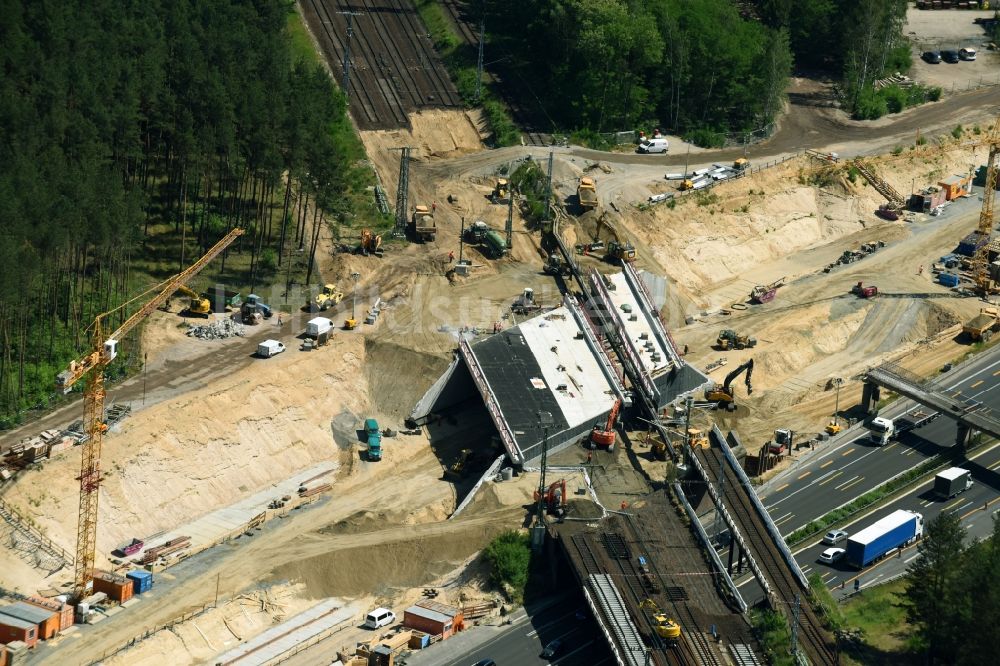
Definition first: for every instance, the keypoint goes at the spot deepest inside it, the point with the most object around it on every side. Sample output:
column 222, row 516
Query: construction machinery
column 253, row 310
column 501, row 191
column 525, row 303
column 724, row 395
column 666, row 628
column 983, row 325
column 554, row 265
column 984, row 281
column 371, row 243
column 422, row 222
column 604, row 435
column 555, row 497
column 103, row 351
column 730, row 339
column 197, row 305
column 764, row 293
column 620, row 252
column 741, row 164
column 327, row 298
column 862, row 291
column 833, row 427
column 586, row 193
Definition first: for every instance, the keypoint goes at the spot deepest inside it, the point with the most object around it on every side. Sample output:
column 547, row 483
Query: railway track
column 394, row 66
column 783, row 583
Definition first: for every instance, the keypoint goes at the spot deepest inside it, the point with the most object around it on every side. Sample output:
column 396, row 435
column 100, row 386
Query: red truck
column 864, row 292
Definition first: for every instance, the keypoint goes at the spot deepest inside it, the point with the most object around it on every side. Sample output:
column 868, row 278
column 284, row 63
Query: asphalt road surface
column 854, row 466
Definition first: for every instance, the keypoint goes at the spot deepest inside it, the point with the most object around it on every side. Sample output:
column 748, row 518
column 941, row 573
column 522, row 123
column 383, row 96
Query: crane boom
column 92, row 366
column 980, row 261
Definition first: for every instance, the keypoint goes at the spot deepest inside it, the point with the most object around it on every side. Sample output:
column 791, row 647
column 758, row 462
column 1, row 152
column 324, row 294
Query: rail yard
column 313, row 476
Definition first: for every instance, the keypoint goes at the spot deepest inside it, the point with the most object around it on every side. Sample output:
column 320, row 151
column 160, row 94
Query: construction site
column 286, row 463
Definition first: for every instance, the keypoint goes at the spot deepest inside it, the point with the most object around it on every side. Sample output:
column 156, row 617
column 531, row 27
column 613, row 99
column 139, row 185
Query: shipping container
column 46, row 620
column 948, row 279
column 142, row 581
column 118, row 588
column 317, row 326
column 955, row 186
column 13, row 629
column 64, row 610
column 874, row 542
column 434, row 618
column 968, row 245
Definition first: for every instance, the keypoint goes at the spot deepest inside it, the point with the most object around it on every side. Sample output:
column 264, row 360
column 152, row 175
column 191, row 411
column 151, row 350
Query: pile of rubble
column 218, row 330
column 850, row 256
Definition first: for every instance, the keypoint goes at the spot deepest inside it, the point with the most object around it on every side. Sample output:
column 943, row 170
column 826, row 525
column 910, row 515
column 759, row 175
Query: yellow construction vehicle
column 741, row 163
column 423, row 225
column 586, row 192
column 350, row 324
column 666, row 628
column 501, row 190
column 197, row 305
column 371, row 243
column 327, row 298
column 725, row 395
column 833, row 427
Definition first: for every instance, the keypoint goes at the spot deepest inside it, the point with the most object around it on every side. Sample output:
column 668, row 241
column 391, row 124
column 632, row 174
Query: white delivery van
column 659, row 145
column 318, row 326
column 269, row 348
column 380, row 617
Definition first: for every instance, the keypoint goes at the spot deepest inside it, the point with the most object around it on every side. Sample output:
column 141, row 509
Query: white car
column 967, row 53
column 831, row 555
column 833, row 537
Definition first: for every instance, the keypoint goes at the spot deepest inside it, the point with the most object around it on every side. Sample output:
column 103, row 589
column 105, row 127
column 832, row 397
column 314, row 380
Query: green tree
column 932, row 597
column 509, row 555
column 977, row 610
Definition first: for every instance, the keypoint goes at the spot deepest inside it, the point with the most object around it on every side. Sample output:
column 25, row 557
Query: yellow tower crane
column 92, row 366
column 980, row 261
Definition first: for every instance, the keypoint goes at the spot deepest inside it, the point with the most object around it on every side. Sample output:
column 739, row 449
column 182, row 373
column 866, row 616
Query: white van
column 380, row 617
column 659, row 145
column 968, row 53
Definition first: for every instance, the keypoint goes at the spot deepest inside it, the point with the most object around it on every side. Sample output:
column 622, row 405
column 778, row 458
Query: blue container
column 142, row 581
column 948, row 279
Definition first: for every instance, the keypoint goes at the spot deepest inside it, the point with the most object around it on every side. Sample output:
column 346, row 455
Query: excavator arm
column 747, row 366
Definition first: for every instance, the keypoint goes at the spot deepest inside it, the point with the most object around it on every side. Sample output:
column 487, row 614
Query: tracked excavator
column 371, row 243
column 555, row 497
column 725, row 395
column 197, row 305
column 617, row 250
column 666, row 627
column 604, row 437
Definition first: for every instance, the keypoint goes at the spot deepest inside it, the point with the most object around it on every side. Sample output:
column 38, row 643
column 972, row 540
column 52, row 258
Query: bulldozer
column 725, row 395
column 371, row 243
column 555, row 497
column 458, row 468
column 327, row 298
column 666, row 628
column 501, row 191
column 197, row 305
column 604, row 435
column 730, row 339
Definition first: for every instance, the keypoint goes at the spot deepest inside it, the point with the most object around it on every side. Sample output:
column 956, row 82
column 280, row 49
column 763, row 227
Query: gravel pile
column 218, row 330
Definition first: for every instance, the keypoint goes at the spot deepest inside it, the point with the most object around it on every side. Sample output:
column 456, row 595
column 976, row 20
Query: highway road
column 853, row 466
column 522, row 641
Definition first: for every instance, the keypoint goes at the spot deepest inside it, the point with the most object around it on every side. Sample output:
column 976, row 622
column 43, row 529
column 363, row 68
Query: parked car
column 831, row 555
column 933, row 57
column 949, row 56
column 485, row 662
column 552, row 649
column 967, row 53
column 833, row 537
column 655, row 145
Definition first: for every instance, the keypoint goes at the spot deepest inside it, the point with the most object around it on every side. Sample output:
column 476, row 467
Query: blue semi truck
column 374, row 440
column 894, row 531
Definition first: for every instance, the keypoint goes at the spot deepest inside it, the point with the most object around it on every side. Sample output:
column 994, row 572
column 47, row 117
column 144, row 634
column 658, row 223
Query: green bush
column 775, row 637
column 705, row 138
column 509, row 555
column 934, row 94
column 895, row 98
column 957, row 132
column 870, row 106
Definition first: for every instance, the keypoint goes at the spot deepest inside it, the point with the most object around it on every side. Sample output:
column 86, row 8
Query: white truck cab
column 882, row 430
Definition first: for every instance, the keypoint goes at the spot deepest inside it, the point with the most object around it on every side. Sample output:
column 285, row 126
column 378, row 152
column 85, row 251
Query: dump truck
column 896, row 530
column 951, row 482
column 269, row 348
column 374, row 437
column 223, row 298
column 983, row 325
column 424, row 227
column 586, row 192
column 730, row 339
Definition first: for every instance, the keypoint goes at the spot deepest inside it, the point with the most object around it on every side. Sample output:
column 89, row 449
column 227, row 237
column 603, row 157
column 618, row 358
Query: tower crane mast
column 980, row 261
column 103, row 351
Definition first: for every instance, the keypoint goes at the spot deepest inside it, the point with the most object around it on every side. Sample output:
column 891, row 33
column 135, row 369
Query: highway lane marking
column 784, row 516
column 832, row 477
column 831, row 574
column 848, row 451
column 994, row 465
column 785, row 519
column 806, row 569
column 926, row 503
column 977, row 383
column 996, row 373
column 886, row 448
column 567, row 656
column 911, row 558
column 804, row 475
column 827, row 463
column 856, row 476
column 778, row 490
column 843, row 487
column 951, row 506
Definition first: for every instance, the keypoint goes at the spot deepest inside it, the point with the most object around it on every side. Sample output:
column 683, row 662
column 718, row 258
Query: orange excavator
column 605, row 437
column 555, row 497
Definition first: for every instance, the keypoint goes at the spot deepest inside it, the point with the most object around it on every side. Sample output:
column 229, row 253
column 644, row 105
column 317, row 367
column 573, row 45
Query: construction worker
column 434, row 206
column 920, row 271
column 590, row 456
column 451, row 256
column 279, row 321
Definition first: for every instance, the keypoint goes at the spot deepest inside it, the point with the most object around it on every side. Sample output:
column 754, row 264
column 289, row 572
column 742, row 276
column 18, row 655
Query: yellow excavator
column 725, row 395
column 666, row 628
column 623, row 252
column 197, row 305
